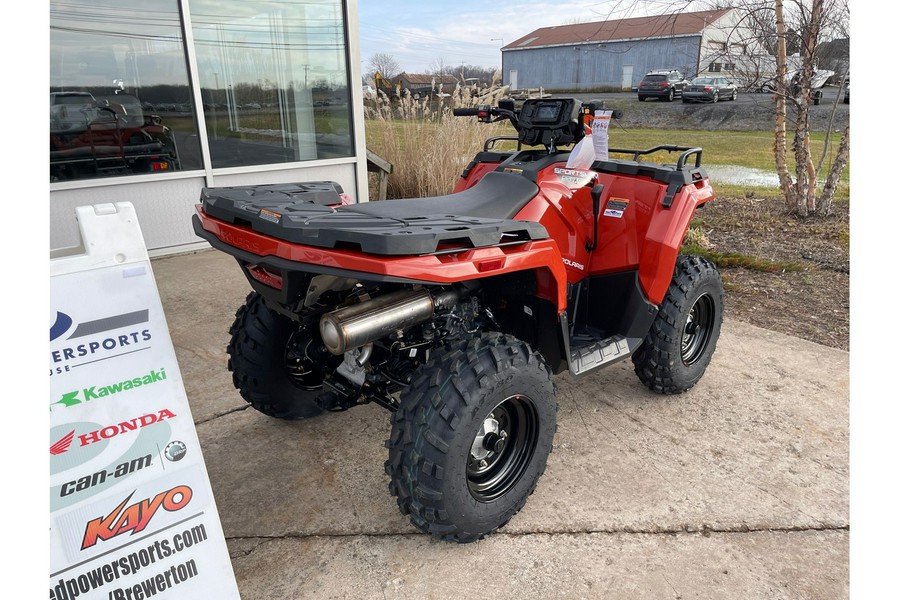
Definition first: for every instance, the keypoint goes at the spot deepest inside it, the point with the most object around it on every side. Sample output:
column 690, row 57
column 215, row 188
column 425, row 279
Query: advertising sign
column 132, row 514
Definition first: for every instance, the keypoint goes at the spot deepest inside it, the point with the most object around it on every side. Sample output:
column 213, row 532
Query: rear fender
column 665, row 236
column 540, row 256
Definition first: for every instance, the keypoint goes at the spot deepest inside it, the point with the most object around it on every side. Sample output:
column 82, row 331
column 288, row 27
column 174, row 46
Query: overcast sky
column 419, row 32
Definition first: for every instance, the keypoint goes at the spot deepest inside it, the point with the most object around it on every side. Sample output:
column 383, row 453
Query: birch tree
column 801, row 189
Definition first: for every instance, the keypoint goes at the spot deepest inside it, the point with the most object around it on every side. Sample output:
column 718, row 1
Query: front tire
column 682, row 339
column 267, row 369
column 472, row 436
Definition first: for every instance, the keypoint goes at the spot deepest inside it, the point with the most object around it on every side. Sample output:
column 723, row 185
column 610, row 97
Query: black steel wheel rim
column 494, row 469
column 301, row 368
column 698, row 329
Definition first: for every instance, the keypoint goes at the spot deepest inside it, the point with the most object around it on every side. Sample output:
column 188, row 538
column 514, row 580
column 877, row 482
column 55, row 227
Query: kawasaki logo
column 92, row 393
column 135, row 517
column 110, row 431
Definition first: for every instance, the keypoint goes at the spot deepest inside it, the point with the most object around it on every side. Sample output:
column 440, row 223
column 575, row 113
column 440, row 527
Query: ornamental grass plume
column 426, row 144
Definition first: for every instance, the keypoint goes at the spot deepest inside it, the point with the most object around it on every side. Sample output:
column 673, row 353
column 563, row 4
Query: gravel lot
column 750, row 112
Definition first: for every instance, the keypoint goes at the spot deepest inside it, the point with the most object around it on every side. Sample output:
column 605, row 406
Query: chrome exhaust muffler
column 354, row 326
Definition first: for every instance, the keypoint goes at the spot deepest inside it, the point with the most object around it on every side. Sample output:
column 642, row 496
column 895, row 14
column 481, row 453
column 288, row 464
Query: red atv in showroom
column 454, row 312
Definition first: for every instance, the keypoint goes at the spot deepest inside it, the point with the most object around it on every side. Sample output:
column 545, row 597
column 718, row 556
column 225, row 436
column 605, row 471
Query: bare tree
column 811, row 19
column 439, row 66
column 782, row 38
column 385, row 64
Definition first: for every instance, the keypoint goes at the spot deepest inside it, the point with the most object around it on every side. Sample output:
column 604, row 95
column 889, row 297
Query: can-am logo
column 128, row 340
column 135, row 517
column 102, row 391
column 110, row 431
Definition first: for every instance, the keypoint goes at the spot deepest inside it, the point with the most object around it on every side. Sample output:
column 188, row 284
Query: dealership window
column 715, row 67
column 120, row 99
column 273, row 78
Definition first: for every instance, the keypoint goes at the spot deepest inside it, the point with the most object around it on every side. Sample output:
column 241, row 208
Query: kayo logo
column 110, row 431
column 136, row 517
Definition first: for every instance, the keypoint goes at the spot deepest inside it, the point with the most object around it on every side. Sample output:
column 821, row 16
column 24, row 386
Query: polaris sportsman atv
column 455, row 312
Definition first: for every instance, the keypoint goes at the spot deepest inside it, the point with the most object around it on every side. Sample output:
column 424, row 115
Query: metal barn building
column 615, row 55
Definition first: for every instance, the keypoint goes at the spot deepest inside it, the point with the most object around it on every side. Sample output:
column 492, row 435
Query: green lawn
column 751, row 149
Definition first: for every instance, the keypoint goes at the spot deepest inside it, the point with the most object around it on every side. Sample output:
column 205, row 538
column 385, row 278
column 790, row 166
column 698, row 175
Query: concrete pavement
column 737, row 489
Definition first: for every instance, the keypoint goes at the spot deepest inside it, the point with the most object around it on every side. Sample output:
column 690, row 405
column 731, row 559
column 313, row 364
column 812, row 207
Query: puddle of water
column 736, row 175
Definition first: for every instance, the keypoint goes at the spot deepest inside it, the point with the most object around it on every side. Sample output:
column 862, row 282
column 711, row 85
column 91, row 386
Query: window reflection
column 273, row 78
column 120, row 103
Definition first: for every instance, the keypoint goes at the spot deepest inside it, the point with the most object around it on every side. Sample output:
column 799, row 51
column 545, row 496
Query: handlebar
column 489, row 114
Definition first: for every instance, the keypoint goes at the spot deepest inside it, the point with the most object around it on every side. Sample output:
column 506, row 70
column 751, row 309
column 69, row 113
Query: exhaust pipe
column 363, row 323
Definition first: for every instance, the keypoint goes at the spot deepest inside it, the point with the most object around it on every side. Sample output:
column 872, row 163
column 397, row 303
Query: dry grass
column 426, row 144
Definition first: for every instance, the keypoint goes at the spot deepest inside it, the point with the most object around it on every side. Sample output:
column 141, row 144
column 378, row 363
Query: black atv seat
column 497, row 196
column 305, row 214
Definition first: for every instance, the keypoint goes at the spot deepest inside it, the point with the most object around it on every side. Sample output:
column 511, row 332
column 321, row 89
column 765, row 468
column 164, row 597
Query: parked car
column 92, row 137
column 709, row 88
column 662, row 84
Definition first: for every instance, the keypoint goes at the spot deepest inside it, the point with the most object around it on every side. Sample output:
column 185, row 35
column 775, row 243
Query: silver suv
column 665, row 84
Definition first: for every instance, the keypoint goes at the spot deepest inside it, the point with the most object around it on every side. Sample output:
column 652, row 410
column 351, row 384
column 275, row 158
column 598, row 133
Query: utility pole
column 501, row 57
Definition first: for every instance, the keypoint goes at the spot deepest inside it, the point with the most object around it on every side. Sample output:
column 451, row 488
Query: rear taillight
column 664, row 84
column 707, row 89
column 265, row 277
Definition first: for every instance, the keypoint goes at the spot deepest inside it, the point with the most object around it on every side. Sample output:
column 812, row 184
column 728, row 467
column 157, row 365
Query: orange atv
column 455, row 312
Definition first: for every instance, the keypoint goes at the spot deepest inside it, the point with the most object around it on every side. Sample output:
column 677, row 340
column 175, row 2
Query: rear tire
column 670, row 96
column 682, row 339
column 265, row 369
column 472, row 436
column 641, row 98
column 715, row 97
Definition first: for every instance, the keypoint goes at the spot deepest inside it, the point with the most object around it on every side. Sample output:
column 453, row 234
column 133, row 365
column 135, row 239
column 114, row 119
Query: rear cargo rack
column 675, row 176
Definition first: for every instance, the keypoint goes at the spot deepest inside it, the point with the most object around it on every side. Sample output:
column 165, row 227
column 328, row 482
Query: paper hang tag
column 600, row 134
